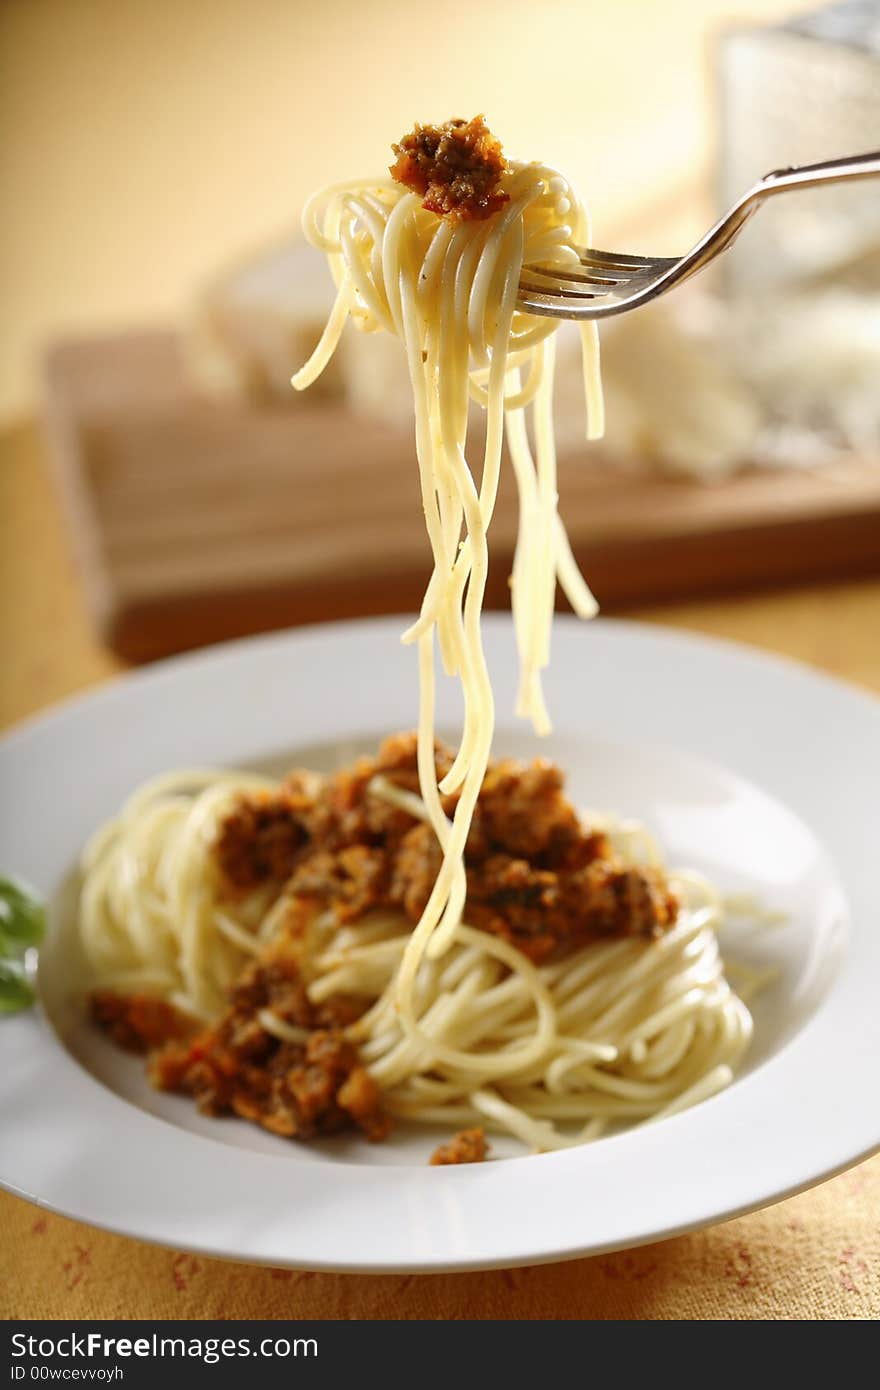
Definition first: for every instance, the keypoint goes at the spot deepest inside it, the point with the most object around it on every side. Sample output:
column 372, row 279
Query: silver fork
column 607, row 283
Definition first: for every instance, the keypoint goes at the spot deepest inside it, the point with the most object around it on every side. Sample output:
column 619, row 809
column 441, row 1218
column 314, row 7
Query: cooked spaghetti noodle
column 609, row 1032
column 448, row 289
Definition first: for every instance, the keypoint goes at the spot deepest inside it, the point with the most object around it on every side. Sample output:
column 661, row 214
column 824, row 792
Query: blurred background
column 156, row 297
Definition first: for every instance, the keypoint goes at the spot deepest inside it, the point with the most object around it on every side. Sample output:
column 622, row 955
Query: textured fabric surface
column 815, row 1256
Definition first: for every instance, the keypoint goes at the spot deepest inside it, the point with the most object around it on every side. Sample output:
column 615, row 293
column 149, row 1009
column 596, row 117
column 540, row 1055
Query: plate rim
column 109, row 685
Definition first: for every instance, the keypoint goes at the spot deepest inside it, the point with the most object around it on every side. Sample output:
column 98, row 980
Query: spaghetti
column 448, row 289
column 552, row 1052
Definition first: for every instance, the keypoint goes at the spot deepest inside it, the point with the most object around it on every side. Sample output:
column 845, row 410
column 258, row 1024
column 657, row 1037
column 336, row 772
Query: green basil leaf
column 22, row 917
column 16, row 990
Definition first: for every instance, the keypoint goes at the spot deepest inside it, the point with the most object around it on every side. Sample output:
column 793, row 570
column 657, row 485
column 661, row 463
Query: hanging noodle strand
column 449, row 292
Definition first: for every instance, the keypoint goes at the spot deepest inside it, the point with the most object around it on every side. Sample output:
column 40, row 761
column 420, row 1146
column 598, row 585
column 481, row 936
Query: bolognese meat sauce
column 456, row 168
column 309, row 1083
column 467, row 1146
column 536, row 876
column 136, row 1022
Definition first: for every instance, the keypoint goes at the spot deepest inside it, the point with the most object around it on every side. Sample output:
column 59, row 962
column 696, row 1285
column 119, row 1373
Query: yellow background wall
column 144, row 142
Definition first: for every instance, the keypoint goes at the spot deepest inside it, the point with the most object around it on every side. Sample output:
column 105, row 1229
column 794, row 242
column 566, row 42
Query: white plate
column 756, row 770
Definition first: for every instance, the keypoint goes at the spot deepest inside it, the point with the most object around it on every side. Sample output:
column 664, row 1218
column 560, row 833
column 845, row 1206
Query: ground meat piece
column 359, row 1095
column 169, row 1067
column 467, row 1146
column 541, row 910
column 456, row 168
column 262, row 835
column 345, row 813
column 313, row 1083
column 351, row 880
column 137, row 1022
column 415, row 867
column 523, row 810
column 536, row 874
column 293, row 1088
column 397, row 759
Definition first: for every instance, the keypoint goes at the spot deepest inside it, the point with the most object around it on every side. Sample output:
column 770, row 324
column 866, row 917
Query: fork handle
column 725, row 232
column 857, row 166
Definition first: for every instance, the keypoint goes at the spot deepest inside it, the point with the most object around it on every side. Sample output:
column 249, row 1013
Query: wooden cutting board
column 196, row 520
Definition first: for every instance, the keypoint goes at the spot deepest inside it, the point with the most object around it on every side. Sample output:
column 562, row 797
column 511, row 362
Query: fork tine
column 603, row 283
column 548, row 295
column 588, row 256
column 578, row 277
